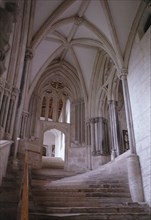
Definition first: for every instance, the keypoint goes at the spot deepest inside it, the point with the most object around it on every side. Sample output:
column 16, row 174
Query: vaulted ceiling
column 75, row 31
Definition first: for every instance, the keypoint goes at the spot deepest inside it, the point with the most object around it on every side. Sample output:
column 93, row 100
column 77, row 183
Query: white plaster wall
column 139, row 81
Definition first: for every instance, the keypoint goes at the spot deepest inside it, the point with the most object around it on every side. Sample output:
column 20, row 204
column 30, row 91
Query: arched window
column 43, row 107
column 68, row 111
column 60, row 105
column 50, row 113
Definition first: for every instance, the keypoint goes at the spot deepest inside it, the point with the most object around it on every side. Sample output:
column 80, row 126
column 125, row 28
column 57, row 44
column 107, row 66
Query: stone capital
column 25, row 114
column 123, row 73
column 28, row 54
column 95, row 120
column 112, row 102
column 15, row 91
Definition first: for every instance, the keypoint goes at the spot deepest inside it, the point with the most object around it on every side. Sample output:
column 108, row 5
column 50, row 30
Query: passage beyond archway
column 53, row 148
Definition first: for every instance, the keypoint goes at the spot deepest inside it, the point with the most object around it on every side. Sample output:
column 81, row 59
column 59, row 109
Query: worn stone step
column 77, row 190
column 79, row 196
column 88, row 216
column 81, row 202
column 81, row 193
column 46, row 186
column 108, row 209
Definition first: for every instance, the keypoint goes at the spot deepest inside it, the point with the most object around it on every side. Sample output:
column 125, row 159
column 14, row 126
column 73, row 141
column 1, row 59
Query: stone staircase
column 10, row 192
column 58, row 194
column 101, row 194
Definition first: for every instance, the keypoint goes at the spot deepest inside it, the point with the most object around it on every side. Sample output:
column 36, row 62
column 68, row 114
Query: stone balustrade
column 4, row 154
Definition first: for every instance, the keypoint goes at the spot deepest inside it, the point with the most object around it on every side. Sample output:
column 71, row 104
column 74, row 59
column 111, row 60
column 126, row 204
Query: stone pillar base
column 113, row 154
column 135, row 178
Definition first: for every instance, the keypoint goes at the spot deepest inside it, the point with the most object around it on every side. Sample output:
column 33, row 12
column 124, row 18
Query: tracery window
column 43, row 107
column 55, row 103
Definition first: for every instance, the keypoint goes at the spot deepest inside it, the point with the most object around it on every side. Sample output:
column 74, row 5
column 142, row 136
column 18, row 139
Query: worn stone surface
column 99, row 194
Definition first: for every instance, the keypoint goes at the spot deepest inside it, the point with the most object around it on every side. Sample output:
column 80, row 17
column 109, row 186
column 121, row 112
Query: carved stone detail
column 78, row 20
column 123, row 73
column 28, row 54
column 7, row 17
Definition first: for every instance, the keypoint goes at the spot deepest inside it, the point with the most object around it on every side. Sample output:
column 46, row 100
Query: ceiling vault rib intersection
column 75, row 31
column 41, row 33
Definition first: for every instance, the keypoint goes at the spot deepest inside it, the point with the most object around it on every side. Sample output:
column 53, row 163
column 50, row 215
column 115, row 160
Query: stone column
column 114, row 128
column 15, row 95
column 129, row 121
column 2, row 87
column 82, row 125
column 105, row 137
column 21, row 99
column 33, row 109
column 133, row 163
column 24, row 122
column 88, row 133
column 10, row 114
column 103, row 142
column 3, row 109
column 75, row 104
column 88, row 142
column 93, row 143
column 97, row 135
column 80, row 121
column 7, row 92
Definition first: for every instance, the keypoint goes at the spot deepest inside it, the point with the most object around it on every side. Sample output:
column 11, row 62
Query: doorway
column 53, row 148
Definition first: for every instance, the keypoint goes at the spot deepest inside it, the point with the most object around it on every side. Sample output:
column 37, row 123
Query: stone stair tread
column 89, row 209
column 74, row 198
column 58, row 196
column 39, row 187
column 78, row 203
column 80, row 193
column 126, row 216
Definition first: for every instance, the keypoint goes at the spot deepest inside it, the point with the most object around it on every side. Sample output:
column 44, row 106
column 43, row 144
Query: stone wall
column 139, row 80
column 4, row 154
column 77, row 160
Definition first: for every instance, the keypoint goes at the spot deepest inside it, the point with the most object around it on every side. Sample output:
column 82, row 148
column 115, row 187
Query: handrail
column 25, row 191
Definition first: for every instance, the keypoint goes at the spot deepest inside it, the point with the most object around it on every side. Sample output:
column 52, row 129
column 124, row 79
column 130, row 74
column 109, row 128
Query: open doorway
column 53, row 149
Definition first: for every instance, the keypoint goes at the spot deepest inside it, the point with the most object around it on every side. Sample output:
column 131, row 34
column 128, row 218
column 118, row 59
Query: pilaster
column 129, row 120
column 99, row 136
column 21, row 122
column 133, row 164
column 114, row 129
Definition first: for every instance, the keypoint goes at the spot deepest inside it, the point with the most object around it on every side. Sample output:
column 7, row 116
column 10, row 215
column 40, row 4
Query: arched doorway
column 53, row 148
